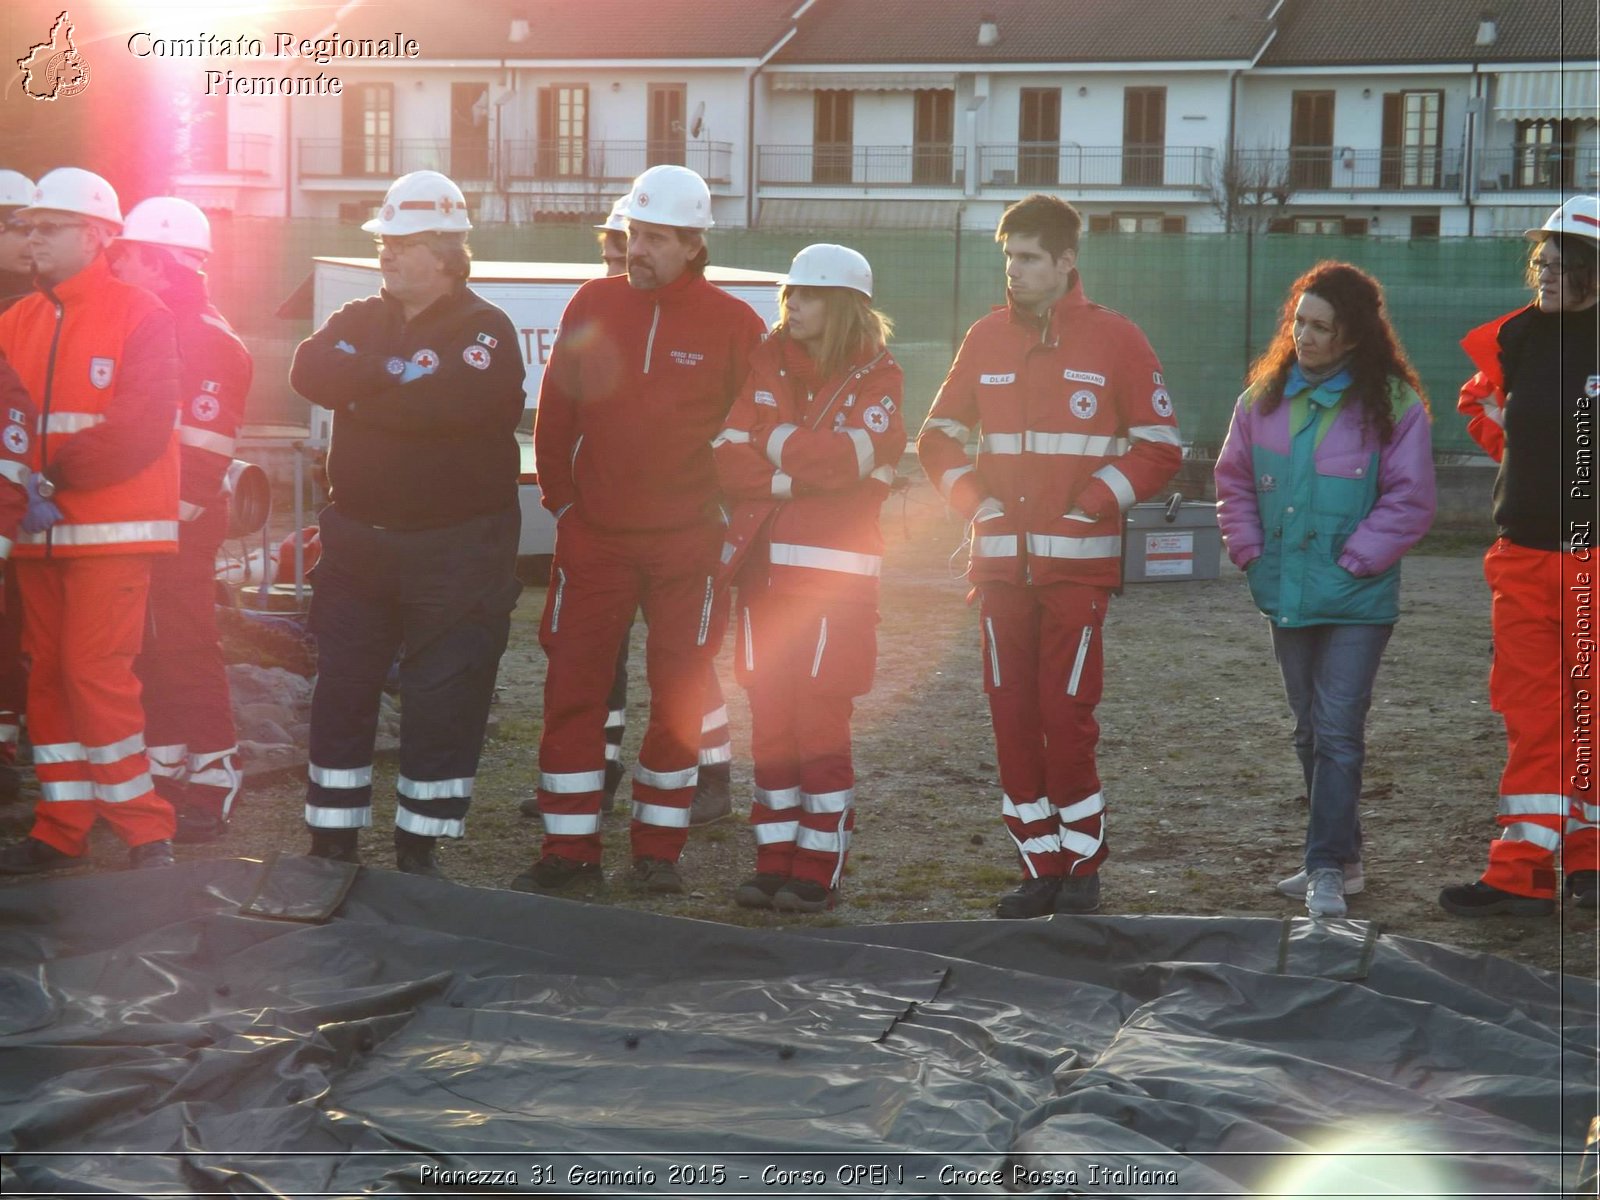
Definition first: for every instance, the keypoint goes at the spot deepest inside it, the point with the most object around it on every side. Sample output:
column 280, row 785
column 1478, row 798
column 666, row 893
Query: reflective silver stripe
column 205, row 439
column 782, row 485
column 109, row 533
column 994, row 655
column 1578, row 824
column 1534, row 804
column 1002, row 443
column 58, row 752
column 884, row 475
column 1119, row 485
column 188, row 512
column 115, row 751
column 820, row 558
column 816, row 661
column 168, row 770
column 1050, row 545
column 947, row 481
column 17, row 472
column 71, row 789
column 340, row 777
column 128, row 789
column 749, row 644
column 1082, row 445
column 954, row 430
column 422, row 826
column 650, row 342
column 555, row 605
column 435, row 789
column 1495, row 412
column 865, row 459
column 731, row 437
column 1589, row 814
column 1087, row 807
column 9, row 732
column 571, row 824
column 617, row 718
column 1082, row 844
column 613, row 752
column 772, row 832
column 999, row 545
column 1034, row 810
column 828, row 802
column 207, row 758
column 1049, row 843
column 1167, row 435
column 220, row 775
column 667, row 781
column 778, row 799
column 775, row 442
column 319, row 817
column 826, row 840
column 571, row 783
column 717, row 718
column 70, row 422
column 705, row 611
column 1527, row 831
column 664, row 816
column 1077, row 663
column 711, row 755
column 5, row 547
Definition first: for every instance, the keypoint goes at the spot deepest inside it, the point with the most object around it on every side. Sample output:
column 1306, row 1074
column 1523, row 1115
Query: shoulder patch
column 876, row 419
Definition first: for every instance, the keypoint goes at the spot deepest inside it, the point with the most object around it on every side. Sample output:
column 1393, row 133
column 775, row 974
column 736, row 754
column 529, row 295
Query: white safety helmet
column 173, row 224
column 1580, row 216
column 74, row 190
column 617, row 220
column 670, row 195
column 421, row 202
column 827, row 265
column 16, row 190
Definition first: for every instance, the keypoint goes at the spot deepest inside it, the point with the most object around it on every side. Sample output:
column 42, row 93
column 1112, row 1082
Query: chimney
column 1487, row 31
column 519, row 29
column 988, row 31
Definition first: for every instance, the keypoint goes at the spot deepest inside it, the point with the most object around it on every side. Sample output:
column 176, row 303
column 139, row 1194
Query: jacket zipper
column 994, row 652
column 44, row 421
column 1083, row 653
column 650, row 342
column 705, row 611
column 822, row 640
column 749, row 642
column 555, row 607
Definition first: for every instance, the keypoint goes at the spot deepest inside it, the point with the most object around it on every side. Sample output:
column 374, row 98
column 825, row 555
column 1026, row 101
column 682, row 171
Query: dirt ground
column 1204, row 792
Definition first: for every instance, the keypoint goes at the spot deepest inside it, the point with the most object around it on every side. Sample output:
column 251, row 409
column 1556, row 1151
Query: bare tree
column 1249, row 189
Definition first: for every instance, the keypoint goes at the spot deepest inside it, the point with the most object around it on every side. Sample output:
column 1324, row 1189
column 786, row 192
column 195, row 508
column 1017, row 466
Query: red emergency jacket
column 1483, row 397
column 18, row 420
column 637, row 385
column 215, row 379
column 807, row 463
column 1077, row 426
column 100, row 360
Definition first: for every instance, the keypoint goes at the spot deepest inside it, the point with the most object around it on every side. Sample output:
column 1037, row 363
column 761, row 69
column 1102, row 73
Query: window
column 933, row 134
column 369, row 129
column 1039, row 137
column 1137, row 223
column 1425, row 226
column 1311, row 140
column 667, row 128
column 563, row 131
column 1412, row 122
column 1320, row 226
column 1144, row 136
column 832, row 135
column 1545, row 153
column 469, row 132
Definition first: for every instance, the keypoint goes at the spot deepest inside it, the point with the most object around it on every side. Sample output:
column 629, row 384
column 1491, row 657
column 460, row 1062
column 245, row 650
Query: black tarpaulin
column 156, row 1038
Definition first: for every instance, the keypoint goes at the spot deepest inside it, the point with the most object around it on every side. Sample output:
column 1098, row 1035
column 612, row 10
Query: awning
column 1547, row 95
column 860, row 81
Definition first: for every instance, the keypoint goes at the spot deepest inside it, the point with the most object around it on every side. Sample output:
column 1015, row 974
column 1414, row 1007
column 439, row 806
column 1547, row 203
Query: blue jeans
column 1328, row 673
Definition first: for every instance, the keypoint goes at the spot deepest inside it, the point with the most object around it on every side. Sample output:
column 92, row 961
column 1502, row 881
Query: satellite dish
column 698, row 123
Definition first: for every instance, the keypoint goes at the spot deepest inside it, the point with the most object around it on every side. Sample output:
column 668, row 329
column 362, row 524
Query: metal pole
column 955, row 289
column 1249, row 284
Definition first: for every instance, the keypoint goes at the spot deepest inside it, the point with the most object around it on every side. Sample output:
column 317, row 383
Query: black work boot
column 713, row 794
column 30, row 856
column 151, row 855
column 341, row 845
column 1031, row 898
column 414, row 854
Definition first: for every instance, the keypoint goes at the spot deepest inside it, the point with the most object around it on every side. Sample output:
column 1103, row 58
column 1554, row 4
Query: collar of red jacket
column 86, row 282
column 1071, row 300
column 1483, row 344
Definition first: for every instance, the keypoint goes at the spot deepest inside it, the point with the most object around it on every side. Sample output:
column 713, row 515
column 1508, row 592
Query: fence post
column 955, row 289
column 1249, row 286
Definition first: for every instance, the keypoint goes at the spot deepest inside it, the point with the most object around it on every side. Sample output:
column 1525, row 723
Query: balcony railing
column 1345, row 169
column 386, row 158
column 1573, row 167
column 584, row 161
column 840, row 165
column 1053, row 164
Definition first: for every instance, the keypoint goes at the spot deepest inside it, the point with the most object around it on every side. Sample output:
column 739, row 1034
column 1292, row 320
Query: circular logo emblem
column 1084, row 404
column 1161, row 402
column 1591, row 387
column 476, row 356
column 388, row 212
column 205, row 407
column 642, row 199
column 395, row 366
column 426, row 359
column 876, row 419
column 16, row 439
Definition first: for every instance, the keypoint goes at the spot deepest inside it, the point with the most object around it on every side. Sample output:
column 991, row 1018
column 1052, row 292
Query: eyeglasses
column 1540, row 266
column 17, row 226
column 46, row 229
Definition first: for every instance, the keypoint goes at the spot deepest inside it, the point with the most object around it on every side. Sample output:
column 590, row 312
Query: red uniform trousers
column 83, row 619
column 1043, row 669
column 188, row 708
column 1543, row 681
column 13, row 672
column 803, row 659
column 597, row 581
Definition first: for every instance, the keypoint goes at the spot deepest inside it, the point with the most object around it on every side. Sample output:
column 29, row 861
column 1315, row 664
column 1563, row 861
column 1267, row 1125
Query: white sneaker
column 1325, row 893
column 1355, row 881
